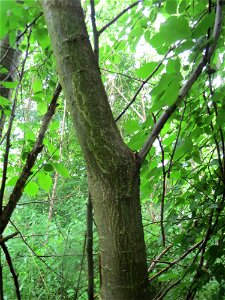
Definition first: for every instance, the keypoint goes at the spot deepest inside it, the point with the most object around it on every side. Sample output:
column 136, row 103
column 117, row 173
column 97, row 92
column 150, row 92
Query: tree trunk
column 113, row 170
column 9, row 59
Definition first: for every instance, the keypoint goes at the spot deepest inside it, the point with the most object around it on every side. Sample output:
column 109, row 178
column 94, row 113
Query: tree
column 111, row 166
column 113, row 169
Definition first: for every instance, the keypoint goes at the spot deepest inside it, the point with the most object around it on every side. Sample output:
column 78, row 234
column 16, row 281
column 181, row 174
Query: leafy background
column 182, row 178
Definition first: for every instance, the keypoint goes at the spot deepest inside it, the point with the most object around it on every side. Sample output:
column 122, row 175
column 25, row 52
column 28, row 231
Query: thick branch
column 31, row 158
column 186, row 87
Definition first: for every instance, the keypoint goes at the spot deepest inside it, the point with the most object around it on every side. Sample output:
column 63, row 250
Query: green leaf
column 182, row 6
column 48, row 168
column 168, row 276
column 3, row 70
column 4, row 101
column 44, row 181
column 61, row 169
column 175, row 175
column 42, row 107
column 183, row 147
column 171, row 93
column 220, row 117
column 174, row 29
column 171, row 7
column 173, row 66
column 29, row 135
column 42, row 37
column 37, row 85
column 132, row 126
column 12, row 181
column 147, row 69
column 31, row 189
column 203, row 25
column 9, row 84
column 162, row 85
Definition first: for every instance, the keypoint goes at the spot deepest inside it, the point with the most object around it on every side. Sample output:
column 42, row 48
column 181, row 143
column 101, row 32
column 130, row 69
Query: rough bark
column 113, row 170
column 9, row 59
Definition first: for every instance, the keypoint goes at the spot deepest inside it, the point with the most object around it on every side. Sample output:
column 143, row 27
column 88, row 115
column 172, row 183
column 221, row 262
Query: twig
column 90, row 260
column 32, row 251
column 118, row 16
column 176, row 142
column 28, row 26
column 14, row 275
column 122, row 74
column 152, row 266
column 163, row 193
column 176, row 260
column 143, row 83
column 95, row 31
column 81, row 268
column 1, row 278
column 31, row 158
column 8, row 237
column 186, row 87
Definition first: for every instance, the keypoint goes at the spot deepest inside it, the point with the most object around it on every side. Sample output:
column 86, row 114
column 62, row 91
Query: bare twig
column 176, row 260
column 14, row 275
column 95, row 31
column 90, row 260
column 155, row 261
column 163, row 193
column 81, row 268
column 176, row 142
column 186, row 87
column 33, row 252
column 28, row 26
column 143, row 83
column 118, row 16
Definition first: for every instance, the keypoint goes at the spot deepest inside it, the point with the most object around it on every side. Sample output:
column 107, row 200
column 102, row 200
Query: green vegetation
column 162, row 66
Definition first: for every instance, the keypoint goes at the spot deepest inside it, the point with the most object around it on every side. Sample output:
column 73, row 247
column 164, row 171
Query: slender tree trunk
column 9, row 59
column 113, row 170
column 53, row 196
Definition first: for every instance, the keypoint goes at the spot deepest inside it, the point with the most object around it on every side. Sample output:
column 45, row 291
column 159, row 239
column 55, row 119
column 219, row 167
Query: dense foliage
column 145, row 57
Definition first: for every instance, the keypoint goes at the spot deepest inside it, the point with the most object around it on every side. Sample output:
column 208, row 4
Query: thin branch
column 186, row 87
column 163, row 194
column 14, row 275
column 33, row 252
column 152, row 266
column 143, row 83
column 176, row 260
column 118, row 16
column 1, row 278
column 8, row 134
column 81, row 268
column 90, row 260
column 31, row 158
column 8, row 237
column 127, row 101
column 122, row 74
column 28, row 26
column 176, row 142
column 95, row 31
